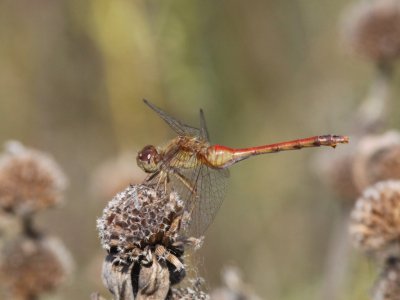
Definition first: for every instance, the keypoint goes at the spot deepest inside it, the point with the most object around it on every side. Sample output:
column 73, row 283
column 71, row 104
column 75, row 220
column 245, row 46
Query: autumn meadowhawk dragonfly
column 197, row 170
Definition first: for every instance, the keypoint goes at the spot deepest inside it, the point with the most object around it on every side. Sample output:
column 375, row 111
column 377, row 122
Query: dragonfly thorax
column 148, row 159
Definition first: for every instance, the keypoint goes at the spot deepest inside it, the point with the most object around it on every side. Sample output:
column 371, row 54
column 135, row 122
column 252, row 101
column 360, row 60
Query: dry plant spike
column 30, row 263
column 30, row 267
column 30, row 180
column 375, row 219
column 141, row 230
column 372, row 28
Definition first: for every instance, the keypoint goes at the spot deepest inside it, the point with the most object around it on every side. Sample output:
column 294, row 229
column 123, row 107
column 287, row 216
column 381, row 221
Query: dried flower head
column 377, row 158
column 137, row 217
column 30, row 267
column 375, row 219
column 387, row 287
column 29, row 180
column 141, row 219
column 372, row 28
column 114, row 175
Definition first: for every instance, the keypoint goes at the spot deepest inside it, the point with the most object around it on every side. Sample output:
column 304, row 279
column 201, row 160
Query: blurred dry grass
column 72, row 77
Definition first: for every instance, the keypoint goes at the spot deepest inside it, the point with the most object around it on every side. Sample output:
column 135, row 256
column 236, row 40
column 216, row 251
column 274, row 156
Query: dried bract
column 30, row 267
column 117, row 278
column 372, row 28
column 377, row 159
column 29, row 180
column 375, row 219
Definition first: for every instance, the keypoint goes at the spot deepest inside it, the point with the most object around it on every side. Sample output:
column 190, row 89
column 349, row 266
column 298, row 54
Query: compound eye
column 148, row 153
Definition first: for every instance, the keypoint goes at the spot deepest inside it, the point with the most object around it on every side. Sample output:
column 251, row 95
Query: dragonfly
column 198, row 171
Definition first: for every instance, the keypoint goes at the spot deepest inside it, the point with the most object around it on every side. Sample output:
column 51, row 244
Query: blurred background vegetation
column 72, row 78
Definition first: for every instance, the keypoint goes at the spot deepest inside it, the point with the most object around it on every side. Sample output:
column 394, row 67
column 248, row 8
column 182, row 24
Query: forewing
column 176, row 125
column 203, row 127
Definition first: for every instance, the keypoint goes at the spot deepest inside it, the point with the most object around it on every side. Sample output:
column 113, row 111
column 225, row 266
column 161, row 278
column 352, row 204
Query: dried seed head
column 375, row 219
column 387, row 287
column 377, row 158
column 29, row 267
column 372, row 29
column 115, row 175
column 139, row 217
column 29, row 180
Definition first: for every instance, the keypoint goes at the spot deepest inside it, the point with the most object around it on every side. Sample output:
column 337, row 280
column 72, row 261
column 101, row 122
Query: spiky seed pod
column 387, row 287
column 141, row 230
column 114, row 175
column 375, row 219
column 29, row 180
column 377, row 158
column 30, row 267
column 372, row 29
column 137, row 218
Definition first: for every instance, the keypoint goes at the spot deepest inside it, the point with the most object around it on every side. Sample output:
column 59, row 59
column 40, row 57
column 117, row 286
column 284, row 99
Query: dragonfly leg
column 193, row 242
column 152, row 176
column 162, row 252
column 193, row 192
column 162, row 180
column 166, row 181
column 173, row 229
column 185, row 182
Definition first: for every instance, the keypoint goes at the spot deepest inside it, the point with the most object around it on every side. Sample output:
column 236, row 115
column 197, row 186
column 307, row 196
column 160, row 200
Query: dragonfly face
column 148, row 159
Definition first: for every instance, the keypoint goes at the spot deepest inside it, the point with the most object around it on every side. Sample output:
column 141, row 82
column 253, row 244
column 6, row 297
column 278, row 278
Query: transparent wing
column 203, row 127
column 203, row 197
column 176, row 125
column 211, row 187
column 201, row 188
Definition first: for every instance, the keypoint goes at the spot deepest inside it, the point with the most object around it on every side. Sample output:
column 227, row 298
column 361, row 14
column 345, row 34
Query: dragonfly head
column 148, row 159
